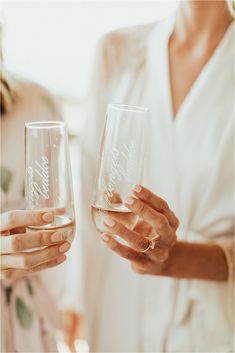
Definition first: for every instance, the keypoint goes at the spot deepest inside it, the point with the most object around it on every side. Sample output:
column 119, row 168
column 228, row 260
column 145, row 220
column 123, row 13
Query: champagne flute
column 120, row 165
column 48, row 182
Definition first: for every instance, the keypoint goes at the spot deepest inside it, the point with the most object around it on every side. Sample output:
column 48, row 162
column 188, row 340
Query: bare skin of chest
column 185, row 67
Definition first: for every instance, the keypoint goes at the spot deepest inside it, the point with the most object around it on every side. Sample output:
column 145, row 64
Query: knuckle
column 173, row 239
column 33, row 269
column 162, row 255
column 173, row 220
column 148, row 267
column 161, row 224
column 55, row 250
column 128, row 255
column 44, row 266
column 150, row 198
column 140, row 207
column 26, row 262
column 42, row 237
column 16, row 243
column 51, row 263
column 12, row 218
column 35, row 217
column 142, row 267
column 177, row 222
column 49, row 252
column 146, row 194
column 6, row 274
column 114, row 246
column 118, row 227
column 135, row 268
column 141, row 243
column 163, row 205
column 170, row 240
column 123, row 231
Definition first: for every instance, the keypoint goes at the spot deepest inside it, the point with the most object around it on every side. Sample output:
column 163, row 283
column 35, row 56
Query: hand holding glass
column 121, row 164
column 48, row 182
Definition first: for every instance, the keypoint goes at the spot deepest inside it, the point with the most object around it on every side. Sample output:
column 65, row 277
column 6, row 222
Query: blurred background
column 53, row 42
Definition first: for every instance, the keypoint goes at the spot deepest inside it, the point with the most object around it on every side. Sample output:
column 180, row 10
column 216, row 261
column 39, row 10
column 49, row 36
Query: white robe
column 189, row 162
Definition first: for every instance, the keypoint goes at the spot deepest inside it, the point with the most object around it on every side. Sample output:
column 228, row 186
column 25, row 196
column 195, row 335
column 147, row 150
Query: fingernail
column 129, row 200
column 57, row 237
column 65, row 247
column 48, row 217
column 105, row 236
column 61, row 259
column 109, row 222
column 137, row 188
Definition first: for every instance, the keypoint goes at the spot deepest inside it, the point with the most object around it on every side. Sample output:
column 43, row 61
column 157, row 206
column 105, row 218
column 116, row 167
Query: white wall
column 53, row 42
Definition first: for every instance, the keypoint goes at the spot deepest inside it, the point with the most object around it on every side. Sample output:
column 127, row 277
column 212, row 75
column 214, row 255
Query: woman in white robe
column 189, row 163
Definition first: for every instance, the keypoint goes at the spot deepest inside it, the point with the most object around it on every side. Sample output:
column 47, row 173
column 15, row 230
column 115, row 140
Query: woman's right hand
column 15, row 262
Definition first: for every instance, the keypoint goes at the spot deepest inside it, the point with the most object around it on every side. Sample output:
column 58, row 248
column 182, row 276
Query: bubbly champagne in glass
column 48, row 182
column 120, row 165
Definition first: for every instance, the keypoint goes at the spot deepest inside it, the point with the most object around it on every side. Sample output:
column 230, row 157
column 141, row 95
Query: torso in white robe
column 188, row 162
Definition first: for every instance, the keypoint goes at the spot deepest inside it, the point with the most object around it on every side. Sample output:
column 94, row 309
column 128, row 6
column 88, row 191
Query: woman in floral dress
column 28, row 313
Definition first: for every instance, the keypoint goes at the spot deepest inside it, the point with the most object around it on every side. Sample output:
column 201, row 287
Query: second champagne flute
column 48, row 182
column 120, row 165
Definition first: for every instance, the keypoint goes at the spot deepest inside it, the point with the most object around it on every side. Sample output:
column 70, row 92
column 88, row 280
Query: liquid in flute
column 62, row 224
column 119, row 212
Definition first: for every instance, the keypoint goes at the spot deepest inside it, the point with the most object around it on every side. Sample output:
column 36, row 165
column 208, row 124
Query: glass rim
column 128, row 108
column 46, row 124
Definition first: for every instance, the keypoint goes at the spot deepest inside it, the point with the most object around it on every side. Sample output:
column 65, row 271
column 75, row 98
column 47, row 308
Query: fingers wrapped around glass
column 120, row 165
column 151, row 240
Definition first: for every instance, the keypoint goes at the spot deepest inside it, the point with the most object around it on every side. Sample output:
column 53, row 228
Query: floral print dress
column 28, row 313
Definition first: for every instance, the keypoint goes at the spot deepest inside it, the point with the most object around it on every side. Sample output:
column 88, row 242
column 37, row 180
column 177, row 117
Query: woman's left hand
column 152, row 238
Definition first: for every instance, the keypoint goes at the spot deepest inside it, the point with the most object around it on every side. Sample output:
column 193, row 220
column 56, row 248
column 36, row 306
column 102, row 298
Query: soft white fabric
column 189, row 162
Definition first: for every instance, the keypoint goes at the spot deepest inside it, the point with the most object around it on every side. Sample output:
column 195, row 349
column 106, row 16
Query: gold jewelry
column 151, row 244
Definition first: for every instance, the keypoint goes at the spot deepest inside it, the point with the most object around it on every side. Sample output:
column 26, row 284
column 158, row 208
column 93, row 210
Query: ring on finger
column 151, row 244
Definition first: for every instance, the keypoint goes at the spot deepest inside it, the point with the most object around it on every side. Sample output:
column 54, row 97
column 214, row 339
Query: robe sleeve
column 198, row 291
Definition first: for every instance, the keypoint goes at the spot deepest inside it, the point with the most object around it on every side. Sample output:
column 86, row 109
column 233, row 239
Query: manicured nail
column 105, row 236
column 129, row 200
column 57, row 237
column 109, row 222
column 61, row 259
column 65, row 247
column 137, row 188
column 48, row 217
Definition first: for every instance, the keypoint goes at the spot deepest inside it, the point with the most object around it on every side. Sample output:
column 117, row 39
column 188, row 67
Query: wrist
column 196, row 261
column 167, row 267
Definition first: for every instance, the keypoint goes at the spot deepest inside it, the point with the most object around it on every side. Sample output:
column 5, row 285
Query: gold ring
column 151, row 244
